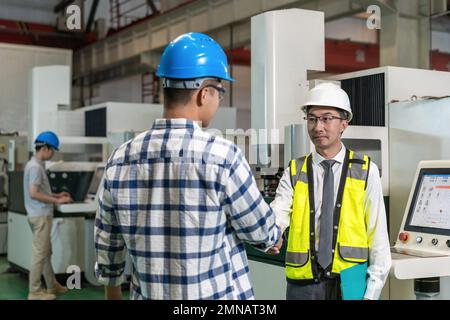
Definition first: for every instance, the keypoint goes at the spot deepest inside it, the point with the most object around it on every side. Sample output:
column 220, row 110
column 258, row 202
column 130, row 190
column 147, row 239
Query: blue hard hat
column 192, row 56
column 49, row 138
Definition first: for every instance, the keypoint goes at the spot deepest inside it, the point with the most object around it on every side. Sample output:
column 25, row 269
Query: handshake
column 276, row 248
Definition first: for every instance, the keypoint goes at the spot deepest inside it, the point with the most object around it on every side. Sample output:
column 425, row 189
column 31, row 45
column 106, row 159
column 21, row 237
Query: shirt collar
column 175, row 124
column 39, row 161
column 339, row 157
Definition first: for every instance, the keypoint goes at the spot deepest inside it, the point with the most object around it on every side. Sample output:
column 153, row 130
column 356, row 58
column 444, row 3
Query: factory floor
column 14, row 286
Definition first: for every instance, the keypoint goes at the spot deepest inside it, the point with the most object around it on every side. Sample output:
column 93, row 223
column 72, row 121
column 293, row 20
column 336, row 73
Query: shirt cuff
column 112, row 280
column 372, row 291
column 115, row 281
column 260, row 247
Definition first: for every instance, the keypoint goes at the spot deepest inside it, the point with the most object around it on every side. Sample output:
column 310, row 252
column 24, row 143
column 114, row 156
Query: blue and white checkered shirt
column 183, row 202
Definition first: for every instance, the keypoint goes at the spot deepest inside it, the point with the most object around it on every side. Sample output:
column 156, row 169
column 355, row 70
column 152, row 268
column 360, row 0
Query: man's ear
column 344, row 126
column 201, row 97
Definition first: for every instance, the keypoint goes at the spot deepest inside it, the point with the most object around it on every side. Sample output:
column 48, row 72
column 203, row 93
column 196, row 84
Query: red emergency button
column 403, row 236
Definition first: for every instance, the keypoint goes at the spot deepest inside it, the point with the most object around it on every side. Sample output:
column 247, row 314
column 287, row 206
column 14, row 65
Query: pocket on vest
column 297, row 259
column 353, row 254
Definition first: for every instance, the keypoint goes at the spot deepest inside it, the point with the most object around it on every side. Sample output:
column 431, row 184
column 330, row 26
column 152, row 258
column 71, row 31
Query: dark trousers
column 325, row 289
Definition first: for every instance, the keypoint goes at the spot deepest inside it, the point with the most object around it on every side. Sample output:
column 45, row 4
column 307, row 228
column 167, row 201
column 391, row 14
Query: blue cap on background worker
column 48, row 138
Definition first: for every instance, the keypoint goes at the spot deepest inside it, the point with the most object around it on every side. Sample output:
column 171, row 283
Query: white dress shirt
column 379, row 251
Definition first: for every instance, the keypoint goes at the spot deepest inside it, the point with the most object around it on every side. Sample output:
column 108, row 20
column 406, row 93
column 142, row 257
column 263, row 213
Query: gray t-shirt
column 34, row 173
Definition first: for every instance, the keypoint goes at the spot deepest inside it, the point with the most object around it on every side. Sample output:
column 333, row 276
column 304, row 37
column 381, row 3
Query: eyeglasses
column 221, row 90
column 324, row 119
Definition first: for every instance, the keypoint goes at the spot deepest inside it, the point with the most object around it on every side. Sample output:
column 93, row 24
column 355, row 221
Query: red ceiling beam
column 340, row 55
column 239, row 56
column 28, row 33
column 25, row 27
column 345, row 56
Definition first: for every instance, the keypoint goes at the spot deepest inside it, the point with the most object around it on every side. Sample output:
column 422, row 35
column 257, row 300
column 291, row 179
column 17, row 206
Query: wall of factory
column 17, row 62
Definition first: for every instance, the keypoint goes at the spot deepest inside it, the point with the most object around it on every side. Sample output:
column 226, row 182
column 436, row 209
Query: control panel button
column 419, row 239
column 434, row 241
column 403, row 236
column 448, row 243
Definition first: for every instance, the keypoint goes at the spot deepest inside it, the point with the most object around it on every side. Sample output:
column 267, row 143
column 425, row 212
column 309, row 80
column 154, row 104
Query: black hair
column 40, row 145
column 179, row 97
column 175, row 97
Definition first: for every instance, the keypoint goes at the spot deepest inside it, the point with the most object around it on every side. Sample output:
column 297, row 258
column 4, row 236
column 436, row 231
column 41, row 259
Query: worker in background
column 181, row 200
column 39, row 201
column 332, row 200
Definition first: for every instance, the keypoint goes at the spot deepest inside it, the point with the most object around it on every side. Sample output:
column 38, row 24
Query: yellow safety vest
column 350, row 239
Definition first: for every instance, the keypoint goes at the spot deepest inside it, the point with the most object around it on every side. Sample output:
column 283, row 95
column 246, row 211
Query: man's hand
column 64, row 199
column 276, row 248
column 53, row 199
column 62, row 194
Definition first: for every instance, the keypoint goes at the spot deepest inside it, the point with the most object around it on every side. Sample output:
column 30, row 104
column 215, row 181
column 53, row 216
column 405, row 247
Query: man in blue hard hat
column 181, row 200
column 39, row 201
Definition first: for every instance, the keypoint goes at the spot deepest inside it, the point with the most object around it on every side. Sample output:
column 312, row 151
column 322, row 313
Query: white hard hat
column 329, row 95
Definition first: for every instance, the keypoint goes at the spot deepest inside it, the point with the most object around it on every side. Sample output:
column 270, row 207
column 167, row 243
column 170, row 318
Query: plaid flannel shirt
column 181, row 202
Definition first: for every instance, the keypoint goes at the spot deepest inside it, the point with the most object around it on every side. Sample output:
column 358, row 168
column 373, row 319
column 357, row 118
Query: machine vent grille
column 95, row 123
column 367, row 99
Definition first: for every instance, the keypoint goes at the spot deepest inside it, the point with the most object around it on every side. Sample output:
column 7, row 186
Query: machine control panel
column 403, row 236
column 425, row 230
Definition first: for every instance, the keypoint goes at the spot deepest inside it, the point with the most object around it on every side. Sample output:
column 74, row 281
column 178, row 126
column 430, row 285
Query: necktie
column 326, row 218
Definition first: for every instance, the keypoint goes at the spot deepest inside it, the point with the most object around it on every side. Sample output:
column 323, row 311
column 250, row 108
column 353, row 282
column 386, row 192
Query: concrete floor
column 14, row 286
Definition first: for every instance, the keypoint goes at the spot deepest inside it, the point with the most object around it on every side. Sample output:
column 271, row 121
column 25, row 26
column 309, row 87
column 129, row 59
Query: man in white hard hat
column 332, row 202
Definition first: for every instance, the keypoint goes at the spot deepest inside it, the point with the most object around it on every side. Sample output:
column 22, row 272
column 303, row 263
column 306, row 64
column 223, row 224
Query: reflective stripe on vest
column 350, row 240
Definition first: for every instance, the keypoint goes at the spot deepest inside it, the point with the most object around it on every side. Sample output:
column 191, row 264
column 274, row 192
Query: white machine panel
column 410, row 267
column 269, row 281
column 280, row 61
column 422, row 248
column 67, row 241
column 426, row 223
column 87, row 207
column 138, row 117
column 50, row 93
